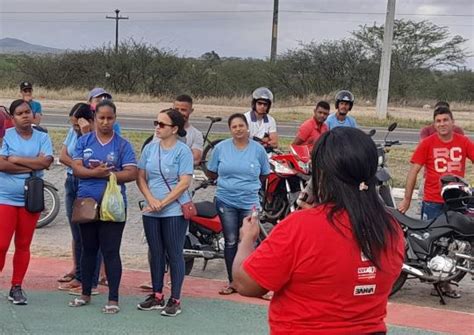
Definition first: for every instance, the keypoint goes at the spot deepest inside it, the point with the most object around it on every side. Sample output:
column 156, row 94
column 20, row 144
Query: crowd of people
column 331, row 266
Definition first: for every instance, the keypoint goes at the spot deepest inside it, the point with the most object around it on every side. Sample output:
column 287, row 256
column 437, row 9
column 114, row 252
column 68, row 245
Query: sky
column 229, row 27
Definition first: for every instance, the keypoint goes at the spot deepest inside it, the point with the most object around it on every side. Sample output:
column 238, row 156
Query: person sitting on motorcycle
column 262, row 126
column 344, row 104
column 240, row 166
column 332, row 267
column 313, row 128
column 444, row 152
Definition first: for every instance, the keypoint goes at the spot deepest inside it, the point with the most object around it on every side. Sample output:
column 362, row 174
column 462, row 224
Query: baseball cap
column 97, row 92
column 25, row 85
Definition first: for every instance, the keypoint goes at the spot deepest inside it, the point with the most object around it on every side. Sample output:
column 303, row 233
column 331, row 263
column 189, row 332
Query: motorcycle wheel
column 51, row 207
column 277, row 209
column 399, row 283
column 188, row 261
column 384, row 192
column 207, row 154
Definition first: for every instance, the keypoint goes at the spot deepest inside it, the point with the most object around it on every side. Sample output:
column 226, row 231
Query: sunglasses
column 161, row 124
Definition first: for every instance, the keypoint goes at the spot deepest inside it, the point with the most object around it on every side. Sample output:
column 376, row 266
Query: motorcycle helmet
column 345, row 96
column 262, row 93
column 453, row 190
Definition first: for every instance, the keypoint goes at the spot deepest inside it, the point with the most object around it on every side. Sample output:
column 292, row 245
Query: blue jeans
column 231, row 220
column 431, row 210
column 165, row 237
column 71, row 186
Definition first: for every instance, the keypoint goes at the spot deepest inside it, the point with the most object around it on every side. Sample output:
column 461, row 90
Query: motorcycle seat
column 206, row 209
column 408, row 221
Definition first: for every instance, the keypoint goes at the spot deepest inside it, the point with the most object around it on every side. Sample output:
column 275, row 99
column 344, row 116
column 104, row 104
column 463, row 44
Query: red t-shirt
column 310, row 131
column 441, row 158
column 322, row 282
column 430, row 130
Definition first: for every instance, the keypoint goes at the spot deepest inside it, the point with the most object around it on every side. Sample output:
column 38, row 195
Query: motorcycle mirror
column 392, row 126
column 372, row 132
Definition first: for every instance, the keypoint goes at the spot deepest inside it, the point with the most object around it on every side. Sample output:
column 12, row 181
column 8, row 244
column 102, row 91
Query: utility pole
column 384, row 74
column 117, row 18
column 274, row 31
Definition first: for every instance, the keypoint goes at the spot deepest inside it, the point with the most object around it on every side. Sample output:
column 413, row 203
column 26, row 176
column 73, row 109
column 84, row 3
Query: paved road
column 285, row 129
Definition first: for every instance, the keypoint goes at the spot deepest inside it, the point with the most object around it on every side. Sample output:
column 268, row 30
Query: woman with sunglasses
column 24, row 151
column 240, row 165
column 97, row 155
column 165, row 173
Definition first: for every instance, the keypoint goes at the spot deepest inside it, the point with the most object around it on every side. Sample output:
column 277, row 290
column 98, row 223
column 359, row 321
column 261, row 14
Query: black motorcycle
column 440, row 250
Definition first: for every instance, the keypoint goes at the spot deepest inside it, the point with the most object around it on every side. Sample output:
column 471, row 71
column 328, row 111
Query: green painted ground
column 48, row 313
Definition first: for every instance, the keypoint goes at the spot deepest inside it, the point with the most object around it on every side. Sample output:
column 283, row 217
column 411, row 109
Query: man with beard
column 344, row 103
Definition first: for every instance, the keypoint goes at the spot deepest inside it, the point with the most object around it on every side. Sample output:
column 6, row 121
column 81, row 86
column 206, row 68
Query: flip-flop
column 67, row 278
column 110, row 309
column 146, row 286
column 78, row 302
column 227, row 290
column 103, row 281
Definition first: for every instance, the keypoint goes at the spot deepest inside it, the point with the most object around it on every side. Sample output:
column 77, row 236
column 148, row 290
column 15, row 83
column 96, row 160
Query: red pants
column 18, row 221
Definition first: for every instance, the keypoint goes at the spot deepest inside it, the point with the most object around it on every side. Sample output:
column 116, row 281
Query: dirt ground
column 55, row 241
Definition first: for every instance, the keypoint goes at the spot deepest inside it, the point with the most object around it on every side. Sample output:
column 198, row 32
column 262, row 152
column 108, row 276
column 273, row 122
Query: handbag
column 85, row 210
column 34, row 196
column 188, row 208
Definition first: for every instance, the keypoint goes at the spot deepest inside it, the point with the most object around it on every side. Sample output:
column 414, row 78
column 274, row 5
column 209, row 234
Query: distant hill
column 16, row 46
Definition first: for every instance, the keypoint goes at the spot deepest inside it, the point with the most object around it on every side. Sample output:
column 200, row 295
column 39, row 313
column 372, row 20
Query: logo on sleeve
column 88, row 152
column 364, row 289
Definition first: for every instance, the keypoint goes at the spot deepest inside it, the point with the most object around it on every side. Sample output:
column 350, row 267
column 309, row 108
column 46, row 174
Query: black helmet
column 345, row 96
column 262, row 93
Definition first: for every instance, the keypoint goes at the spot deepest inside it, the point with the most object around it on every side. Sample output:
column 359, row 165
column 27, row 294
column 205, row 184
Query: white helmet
column 262, row 93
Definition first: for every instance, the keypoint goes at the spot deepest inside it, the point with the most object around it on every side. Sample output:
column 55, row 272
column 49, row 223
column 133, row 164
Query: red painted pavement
column 43, row 272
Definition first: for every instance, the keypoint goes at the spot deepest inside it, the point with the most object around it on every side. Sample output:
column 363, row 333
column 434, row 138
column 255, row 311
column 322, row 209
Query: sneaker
column 17, row 296
column 151, row 303
column 77, row 291
column 173, row 308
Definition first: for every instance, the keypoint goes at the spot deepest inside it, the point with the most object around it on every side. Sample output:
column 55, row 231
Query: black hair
column 108, row 103
column 323, row 105
column 177, row 120
column 441, row 104
column 443, row 110
column 343, row 159
column 82, row 110
column 15, row 104
column 237, row 116
column 184, row 98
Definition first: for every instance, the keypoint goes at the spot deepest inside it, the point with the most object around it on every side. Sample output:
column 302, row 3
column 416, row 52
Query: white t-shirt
column 260, row 128
column 194, row 138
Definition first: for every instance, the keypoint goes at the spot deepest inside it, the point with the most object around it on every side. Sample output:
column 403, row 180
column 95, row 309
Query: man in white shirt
column 262, row 126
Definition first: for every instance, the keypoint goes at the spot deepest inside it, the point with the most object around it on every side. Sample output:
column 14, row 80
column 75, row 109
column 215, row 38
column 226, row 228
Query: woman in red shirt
column 331, row 267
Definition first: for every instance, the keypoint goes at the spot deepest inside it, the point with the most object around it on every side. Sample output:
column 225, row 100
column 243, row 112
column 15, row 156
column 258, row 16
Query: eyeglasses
column 161, row 124
column 264, row 103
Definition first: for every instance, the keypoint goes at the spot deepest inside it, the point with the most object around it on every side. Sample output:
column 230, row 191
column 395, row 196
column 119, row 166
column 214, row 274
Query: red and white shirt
column 323, row 284
column 442, row 158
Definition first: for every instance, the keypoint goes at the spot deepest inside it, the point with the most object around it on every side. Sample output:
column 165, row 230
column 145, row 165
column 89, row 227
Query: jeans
column 431, row 210
column 165, row 237
column 231, row 220
column 106, row 236
column 71, row 186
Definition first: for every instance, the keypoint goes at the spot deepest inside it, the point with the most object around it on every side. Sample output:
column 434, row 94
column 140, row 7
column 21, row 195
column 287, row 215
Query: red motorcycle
column 205, row 238
column 289, row 174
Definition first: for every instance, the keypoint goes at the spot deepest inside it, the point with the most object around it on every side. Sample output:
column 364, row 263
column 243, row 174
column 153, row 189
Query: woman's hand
column 84, row 125
column 250, row 229
column 154, row 205
column 13, row 159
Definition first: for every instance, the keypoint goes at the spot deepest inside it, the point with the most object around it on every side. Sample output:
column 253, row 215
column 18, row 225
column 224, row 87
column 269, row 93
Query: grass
column 398, row 157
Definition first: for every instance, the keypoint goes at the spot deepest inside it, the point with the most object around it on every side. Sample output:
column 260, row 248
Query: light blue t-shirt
column 175, row 162
column 70, row 144
column 35, row 107
column 239, row 173
column 12, row 186
column 117, row 153
column 332, row 122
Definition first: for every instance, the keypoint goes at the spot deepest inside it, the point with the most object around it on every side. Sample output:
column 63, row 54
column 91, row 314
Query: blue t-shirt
column 239, row 173
column 117, row 153
column 70, row 144
column 175, row 162
column 332, row 122
column 13, row 185
column 35, row 107
column 117, row 128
